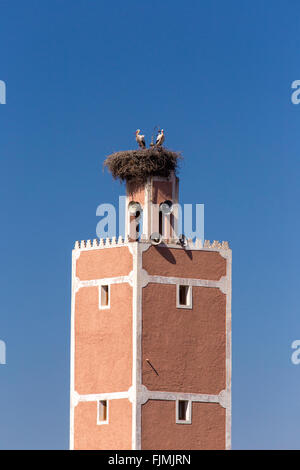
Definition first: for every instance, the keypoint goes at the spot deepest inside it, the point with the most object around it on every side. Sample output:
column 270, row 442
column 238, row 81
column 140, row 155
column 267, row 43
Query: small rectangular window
column 184, row 296
column 102, row 412
column 160, row 223
column 104, row 296
column 182, row 409
column 183, row 412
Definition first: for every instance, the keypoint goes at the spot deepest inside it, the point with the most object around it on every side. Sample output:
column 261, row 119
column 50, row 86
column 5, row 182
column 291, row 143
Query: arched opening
column 135, row 220
column 165, row 218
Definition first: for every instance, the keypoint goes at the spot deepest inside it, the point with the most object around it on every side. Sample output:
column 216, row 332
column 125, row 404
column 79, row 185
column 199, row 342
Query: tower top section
column 151, row 189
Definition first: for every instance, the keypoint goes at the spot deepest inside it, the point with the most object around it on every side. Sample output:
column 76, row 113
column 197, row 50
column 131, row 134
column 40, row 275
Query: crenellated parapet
column 100, row 243
column 215, row 244
column 190, row 244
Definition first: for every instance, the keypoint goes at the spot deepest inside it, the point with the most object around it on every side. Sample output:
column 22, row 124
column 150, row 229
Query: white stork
column 160, row 138
column 140, row 139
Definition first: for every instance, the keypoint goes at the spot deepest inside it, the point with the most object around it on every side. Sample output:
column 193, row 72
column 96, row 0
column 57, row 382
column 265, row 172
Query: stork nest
column 135, row 166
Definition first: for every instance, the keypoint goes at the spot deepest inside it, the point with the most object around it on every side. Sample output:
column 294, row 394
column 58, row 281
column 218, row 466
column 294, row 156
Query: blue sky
column 81, row 77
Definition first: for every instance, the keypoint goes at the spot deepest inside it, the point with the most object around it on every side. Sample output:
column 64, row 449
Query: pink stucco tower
column 151, row 337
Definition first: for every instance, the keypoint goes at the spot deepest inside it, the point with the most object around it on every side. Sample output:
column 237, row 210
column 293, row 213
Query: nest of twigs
column 135, row 166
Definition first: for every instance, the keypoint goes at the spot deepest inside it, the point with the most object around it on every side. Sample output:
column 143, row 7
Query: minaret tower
column 151, row 332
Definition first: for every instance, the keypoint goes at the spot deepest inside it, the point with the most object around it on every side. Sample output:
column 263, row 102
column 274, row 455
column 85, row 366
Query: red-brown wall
column 160, row 431
column 185, row 346
column 99, row 264
column 161, row 191
column 198, row 264
column 103, row 340
column 114, row 435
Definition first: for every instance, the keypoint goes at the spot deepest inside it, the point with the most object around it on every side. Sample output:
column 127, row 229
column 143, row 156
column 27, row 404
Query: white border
column 75, row 256
column 99, row 423
column 189, row 298
column 135, row 346
column 104, row 307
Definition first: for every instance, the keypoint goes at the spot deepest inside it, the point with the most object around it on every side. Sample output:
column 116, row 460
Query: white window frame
column 189, row 303
column 104, row 307
column 188, row 419
column 100, row 422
